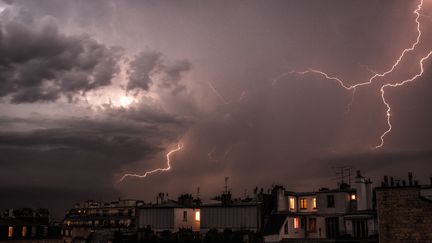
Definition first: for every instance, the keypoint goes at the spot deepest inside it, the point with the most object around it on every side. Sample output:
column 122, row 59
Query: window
column 314, row 203
column 353, row 197
column 360, row 229
column 286, row 228
column 312, row 225
column 296, row 223
column 330, row 201
column 292, row 203
column 10, row 231
column 332, row 227
column 303, row 203
column 197, row 216
column 24, row 231
column 184, row 216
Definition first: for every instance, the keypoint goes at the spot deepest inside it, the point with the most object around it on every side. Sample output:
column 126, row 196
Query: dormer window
column 292, row 203
column 314, row 203
column 303, row 203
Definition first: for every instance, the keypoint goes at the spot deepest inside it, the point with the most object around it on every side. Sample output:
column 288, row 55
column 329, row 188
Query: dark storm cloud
column 377, row 160
column 8, row 1
column 149, row 63
column 141, row 68
column 259, row 133
column 38, row 63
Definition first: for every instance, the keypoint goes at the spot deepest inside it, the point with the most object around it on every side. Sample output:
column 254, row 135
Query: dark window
column 286, row 228
column 332, row 227
column 360, row 229
column 330, row 201
column 312, row 225
column 303, row 223
column 184, row 216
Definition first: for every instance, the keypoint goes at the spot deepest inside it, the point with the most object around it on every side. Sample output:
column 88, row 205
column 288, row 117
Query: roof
column 233, row 204
column 274, row 224
column 22, row 221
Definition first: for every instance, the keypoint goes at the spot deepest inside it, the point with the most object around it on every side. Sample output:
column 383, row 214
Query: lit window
column 10, row 231
column 292, row 203
column 303, row 203
column 197, row 216
column 353, row 196
column 184, row 216
column 296, row 223
column 314, row 203
column 24, row 231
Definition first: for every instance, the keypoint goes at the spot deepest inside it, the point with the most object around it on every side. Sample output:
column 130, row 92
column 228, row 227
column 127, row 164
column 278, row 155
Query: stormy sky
column 91, row 90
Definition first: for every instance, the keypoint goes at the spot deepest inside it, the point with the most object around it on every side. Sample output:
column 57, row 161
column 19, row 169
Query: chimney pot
column 386, row 180
column 410, row 177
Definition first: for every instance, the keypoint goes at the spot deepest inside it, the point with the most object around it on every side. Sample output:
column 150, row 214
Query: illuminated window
column 292, row 203
column 353, row 196
column 184, row 216
column 296, row 223
column 314, row 203
column 303, row 203
column 197, row 216
column 10, row 231
column 24, row 231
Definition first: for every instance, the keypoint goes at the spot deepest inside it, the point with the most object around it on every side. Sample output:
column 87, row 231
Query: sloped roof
column 274, row 224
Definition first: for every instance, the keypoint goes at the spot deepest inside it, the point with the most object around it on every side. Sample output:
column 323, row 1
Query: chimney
column 386, row 181
column 391, row 181
column 410, row 177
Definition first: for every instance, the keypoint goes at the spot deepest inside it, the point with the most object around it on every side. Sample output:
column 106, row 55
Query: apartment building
column 328, row 214
column 404, row 211
column 93, row 219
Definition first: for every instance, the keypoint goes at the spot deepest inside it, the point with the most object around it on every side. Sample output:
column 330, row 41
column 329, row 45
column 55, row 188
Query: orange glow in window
column 197, row 216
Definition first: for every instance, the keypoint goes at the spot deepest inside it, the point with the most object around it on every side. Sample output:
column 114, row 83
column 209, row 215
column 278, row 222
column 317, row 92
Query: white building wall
column 189, row 223
column 236, row 218
column 341, row 203
column 158, row 219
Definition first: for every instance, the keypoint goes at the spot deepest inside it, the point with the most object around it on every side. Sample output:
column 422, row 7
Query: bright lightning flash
column 343, row 84
column 179, row 147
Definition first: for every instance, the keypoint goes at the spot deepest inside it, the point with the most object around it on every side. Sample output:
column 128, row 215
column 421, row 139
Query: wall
column 190, row 223
column 232, row 217
column 403, row 216
column 341, row 200
column 158, row 218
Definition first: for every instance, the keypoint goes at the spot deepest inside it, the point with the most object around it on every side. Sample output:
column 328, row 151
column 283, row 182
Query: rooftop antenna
column 226, row 184
column 198, row 192
column 349, row 174
column 339, row 171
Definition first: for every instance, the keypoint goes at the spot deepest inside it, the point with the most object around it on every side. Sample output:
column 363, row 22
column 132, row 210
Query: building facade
column 404, row 212
column 93, row 219
column 342, row 213
column 28, row 225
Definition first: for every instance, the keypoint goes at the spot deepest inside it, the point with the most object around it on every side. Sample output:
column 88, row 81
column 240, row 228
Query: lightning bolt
column 210, row 155
column 376, row 75
column 217, row 93
column 397, row 85
column 179, row 147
